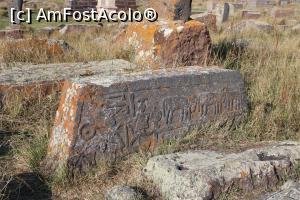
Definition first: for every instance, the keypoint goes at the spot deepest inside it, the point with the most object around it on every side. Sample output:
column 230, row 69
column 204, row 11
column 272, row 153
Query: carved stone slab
column 108, row 115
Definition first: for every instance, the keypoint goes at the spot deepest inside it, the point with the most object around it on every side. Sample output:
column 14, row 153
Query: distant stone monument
column 81, row 5
column 126, row 4
column 222, row 12
column 17, row 5
column 254, row 4
column 108, row 5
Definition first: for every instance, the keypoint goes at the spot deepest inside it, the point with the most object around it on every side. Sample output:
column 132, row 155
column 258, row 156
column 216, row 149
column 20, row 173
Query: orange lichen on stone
column 244, row 174
column 168, row 43
column 194, row 23
column 144, row 32
column 62, row 135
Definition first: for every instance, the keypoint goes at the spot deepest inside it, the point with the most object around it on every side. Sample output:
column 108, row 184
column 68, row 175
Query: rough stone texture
column 47, row 5
column 17, row 5
column 126, row 4
column 81, row 5
column 251, row 25
column 49, row 77
column 12, row 33
column 168, row 43
column 289, row 191
column 254, row 4
column 208, row 19
column 116, row 5
column 23, row 74
column 172, row 9
column 205, row 174
column 79, row 28
column 123, row 193
column 48, row 31
column 222, row 12
column 103, row 117
column 283, row 12
column 249, row 14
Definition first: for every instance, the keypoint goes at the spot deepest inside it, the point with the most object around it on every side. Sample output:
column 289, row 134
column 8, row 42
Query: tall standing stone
column 112, row 114
column 222, row 12
column 18, row 6
column 108, row 5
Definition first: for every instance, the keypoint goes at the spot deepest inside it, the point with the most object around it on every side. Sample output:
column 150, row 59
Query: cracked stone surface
column 205, row 174
column 289, row 191
column 22, row 74
column 123, row 193
column 109, row 115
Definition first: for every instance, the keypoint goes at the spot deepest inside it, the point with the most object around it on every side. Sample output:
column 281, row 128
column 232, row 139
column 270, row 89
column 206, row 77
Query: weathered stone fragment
column 205, row 174
column 105, row 116
column 12, row 33
column 234, row 8
column 48, row 31
column 283, row 12
column 289, row 191
column 251, row 25
column 172, row 9
column 168, row 43
column 254, row 4
column 249, row 14
column 123, row 193
column 222, row 12
column 208, row 19
column 48, row 78
column 81, row 5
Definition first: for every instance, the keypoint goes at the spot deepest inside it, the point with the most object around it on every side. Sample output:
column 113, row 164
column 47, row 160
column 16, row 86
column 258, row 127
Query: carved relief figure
column 172, row 104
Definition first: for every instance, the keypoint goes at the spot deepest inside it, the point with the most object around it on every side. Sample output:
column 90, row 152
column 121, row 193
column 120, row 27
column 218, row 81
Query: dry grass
column 26, row 119
column 89, row 46
column 271, row 68
column 270, row 65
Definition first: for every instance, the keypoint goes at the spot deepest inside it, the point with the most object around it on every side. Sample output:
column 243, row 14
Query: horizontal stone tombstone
column 105, row 116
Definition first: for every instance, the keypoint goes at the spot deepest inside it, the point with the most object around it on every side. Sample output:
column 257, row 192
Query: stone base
column 206, row 174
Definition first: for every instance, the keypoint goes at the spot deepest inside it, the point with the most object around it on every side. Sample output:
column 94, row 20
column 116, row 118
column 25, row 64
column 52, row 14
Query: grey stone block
column 206, row 174
column 109, row 115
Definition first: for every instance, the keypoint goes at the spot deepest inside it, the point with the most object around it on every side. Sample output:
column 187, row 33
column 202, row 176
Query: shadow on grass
column 229, row 52
column 27, row 186
column 4, row 143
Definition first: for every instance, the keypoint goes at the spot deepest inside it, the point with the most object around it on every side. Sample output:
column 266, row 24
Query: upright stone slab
column 17, row 5
column 112, row 114
column 108, row 5
column 222, row 12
